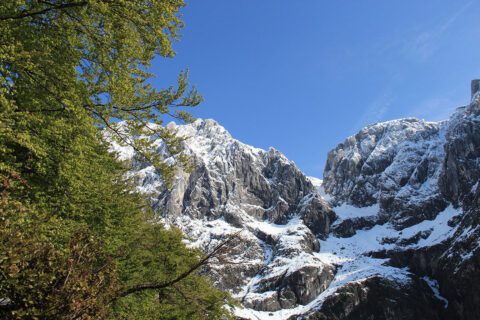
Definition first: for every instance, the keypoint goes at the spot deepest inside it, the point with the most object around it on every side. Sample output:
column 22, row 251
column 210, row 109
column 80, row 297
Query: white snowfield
column 213, row 147
column 350, row 255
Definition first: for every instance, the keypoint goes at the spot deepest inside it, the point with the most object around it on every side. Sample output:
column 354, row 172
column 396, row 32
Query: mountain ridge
column 396, row 199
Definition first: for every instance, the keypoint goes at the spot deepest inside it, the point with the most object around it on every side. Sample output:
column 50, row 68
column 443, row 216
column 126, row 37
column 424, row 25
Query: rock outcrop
column 396, row 164
column 235, row 187
column 439, row 168
column 391, row 233
column 379, row 299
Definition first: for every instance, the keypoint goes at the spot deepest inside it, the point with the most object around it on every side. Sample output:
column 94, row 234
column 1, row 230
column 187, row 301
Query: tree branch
column 39, row 12
column 156, row 285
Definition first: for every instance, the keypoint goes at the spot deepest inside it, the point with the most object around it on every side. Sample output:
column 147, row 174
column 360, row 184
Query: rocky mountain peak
column 395, row 164
column 395, row 217
column 475, row 87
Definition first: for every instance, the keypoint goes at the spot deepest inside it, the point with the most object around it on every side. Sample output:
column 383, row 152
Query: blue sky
column 303, row 75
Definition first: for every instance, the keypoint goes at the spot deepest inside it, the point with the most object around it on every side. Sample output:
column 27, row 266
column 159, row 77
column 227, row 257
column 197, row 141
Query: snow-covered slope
column 394, row 164
column 422, row 179
column 235, row 187
column 383, row 236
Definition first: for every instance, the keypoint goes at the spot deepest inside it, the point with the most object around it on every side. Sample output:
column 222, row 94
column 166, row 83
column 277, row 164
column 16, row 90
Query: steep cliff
column 235, row 187
column 391, row 233
column 423, row 182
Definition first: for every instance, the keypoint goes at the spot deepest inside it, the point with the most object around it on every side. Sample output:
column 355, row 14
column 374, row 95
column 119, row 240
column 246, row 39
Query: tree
column 78, row 236
column 64, row 268
column 89, row 58
column 41, row 278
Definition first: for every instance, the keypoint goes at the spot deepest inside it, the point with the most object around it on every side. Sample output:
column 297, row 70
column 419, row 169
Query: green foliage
column 157, row 255
column 74, row 232
column 75, row 264
column 50, row 268
column 74, row 58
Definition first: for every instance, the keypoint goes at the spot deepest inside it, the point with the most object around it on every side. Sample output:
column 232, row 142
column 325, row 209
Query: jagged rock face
column 288, row 289
column 395, row 164
column 348, row 227
column 459, row 183
column 318, row 223
column 380, row 299
column 230, row 176
column 454, row 263
column 461, row 168
column 236, row 187
column 458, row 270
column 451, row 153
column 391, row 233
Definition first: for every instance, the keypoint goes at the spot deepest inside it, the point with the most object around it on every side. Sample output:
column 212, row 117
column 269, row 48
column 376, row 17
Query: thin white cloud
column 380, row 104
column 436, row 108
column 375, row 111
column 425, row 44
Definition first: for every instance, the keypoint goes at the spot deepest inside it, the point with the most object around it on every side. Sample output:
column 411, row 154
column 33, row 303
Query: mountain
column 390, row 233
